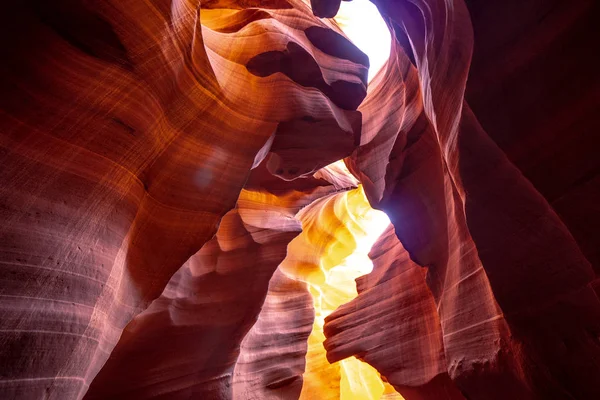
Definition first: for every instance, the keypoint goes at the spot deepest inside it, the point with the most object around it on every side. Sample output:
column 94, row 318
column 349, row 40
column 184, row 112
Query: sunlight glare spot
column 361, row 22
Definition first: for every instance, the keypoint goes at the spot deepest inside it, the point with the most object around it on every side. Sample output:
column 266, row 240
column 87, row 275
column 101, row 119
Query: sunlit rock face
column 332, row 251
column 193, row 198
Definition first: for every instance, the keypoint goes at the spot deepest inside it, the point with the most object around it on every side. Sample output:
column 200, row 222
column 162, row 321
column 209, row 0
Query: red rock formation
column 126, row 141
column 401, row 334
column 188, row 339
column 535, row 280
column 155, row 156
column 272, row 355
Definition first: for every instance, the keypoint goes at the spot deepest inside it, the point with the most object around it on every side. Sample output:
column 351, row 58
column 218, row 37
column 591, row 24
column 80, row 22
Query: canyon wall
column 166, row 176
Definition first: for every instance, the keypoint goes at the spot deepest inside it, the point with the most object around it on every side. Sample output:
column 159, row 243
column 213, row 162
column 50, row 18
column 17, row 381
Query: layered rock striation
column 170, row 213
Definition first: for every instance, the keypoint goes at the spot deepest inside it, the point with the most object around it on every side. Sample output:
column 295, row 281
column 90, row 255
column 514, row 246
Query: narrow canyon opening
column 338, row 231
column 362, row 23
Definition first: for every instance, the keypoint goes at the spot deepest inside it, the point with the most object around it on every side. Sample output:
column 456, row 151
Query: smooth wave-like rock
column 272, row 361
column 176, row 221
column 483, row 190
column 394, row 325
column 331, row 251
column 126, row 141
column 189, row 338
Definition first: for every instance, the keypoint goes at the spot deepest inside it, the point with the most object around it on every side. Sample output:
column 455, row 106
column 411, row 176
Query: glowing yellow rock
column 331, row 252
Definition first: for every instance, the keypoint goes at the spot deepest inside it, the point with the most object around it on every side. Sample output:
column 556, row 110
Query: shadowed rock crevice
column 84, row 29
column 325, row 8
column 303, row 146
column 336, row 45
column 301, row 67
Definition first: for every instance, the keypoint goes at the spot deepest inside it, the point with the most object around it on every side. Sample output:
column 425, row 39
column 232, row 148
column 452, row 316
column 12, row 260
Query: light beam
column 361, row 22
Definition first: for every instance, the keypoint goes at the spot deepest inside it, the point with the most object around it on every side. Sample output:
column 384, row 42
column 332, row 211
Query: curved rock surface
column 168, row 178
column 189, row 338
column 393, row 325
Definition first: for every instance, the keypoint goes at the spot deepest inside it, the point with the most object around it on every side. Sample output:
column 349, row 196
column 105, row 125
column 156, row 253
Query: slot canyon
column 282, row 200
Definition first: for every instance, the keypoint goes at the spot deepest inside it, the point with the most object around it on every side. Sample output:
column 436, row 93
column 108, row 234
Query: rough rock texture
column 159, row 156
